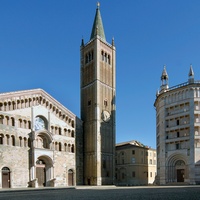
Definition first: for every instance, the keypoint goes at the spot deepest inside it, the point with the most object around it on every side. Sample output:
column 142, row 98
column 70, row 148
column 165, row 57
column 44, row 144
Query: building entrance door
column 180, row 175
column 5, row 177
column 70, row 178
column 41, row 173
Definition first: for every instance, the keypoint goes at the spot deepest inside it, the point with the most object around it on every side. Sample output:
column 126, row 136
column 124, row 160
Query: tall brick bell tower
column 98, row 88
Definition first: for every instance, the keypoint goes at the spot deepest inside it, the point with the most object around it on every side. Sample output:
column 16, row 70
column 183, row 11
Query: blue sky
column 40, row 48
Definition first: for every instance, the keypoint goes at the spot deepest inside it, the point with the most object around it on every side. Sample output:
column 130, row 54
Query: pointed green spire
column 97, row 28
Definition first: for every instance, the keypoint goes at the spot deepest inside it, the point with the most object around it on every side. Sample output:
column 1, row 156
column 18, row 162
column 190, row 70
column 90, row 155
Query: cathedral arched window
column 7, row 120
column 1, row 119
column 7, row 139
column 72, row 149
column 1, row 138
column 13, row 140
column 20, row 123
column 65, row 146
column 69, row 148
column 56, row 146
column 73, row 124
column 69, row 133
column 29, row 142
column 25, row 142
column 9, row 105
column 60, row 131
column 25, row 124
column 60, row 146
column 29, row 124
column 12, row 121
column 72, row 134
column 20, row 141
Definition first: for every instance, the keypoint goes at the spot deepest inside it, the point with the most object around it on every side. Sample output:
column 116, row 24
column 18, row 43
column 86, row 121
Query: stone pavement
column 103, row 192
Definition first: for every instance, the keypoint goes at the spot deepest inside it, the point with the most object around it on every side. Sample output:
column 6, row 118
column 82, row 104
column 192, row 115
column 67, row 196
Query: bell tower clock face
column 105, row 116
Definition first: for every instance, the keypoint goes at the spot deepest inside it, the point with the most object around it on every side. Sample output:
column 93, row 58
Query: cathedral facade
column 37, row 140
column 42, row 143
column 178, row 131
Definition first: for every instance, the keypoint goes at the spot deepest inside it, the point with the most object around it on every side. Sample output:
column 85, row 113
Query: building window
column 177, row 122
column 1, row 139
column 109, row 59
column 1, row 119
column 89, row 103
column 12, row 121
column 59, row 146
column 25, row 142
column 133, row 152
column 177, row 134
column 20, row 141
column 60, row 131
column 150, row 174
column 177, row 146
column 133, row 174
column 105, row 102
column 150, row 161
column 102, row 55
column 72, row 149
column 7, row 139
column 133, row 160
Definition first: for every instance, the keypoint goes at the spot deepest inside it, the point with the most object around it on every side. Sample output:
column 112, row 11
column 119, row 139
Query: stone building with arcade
column 178, row 131
column 37, row 140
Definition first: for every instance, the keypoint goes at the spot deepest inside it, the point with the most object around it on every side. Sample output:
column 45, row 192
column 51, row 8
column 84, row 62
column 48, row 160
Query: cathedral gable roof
column 37, row 97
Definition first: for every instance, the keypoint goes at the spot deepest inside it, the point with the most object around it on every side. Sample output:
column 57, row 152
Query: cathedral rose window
column 39, row 123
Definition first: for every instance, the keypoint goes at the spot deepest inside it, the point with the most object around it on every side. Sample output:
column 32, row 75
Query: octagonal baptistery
column 178, row 131
column 38, row 141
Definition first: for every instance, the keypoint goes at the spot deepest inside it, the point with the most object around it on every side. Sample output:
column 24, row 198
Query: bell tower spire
column 97, row 28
